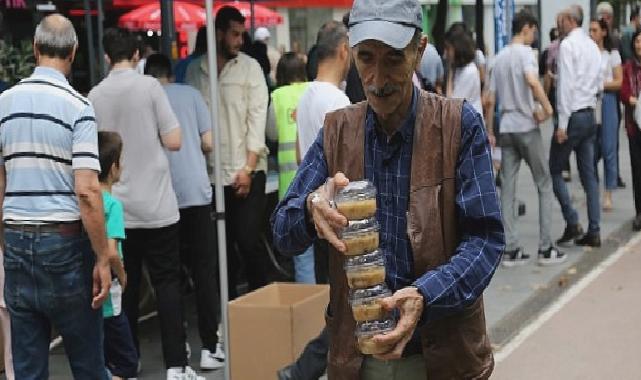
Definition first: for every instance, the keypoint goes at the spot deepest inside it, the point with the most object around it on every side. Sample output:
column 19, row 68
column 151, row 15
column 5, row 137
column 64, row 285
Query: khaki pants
column 411, row 368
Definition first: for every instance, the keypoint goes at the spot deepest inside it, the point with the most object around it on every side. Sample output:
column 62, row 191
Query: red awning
column 267, row 3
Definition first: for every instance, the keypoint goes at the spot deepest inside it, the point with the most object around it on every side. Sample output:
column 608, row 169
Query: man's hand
column 540, row 115
column 410, row 303
column 101, row 281
column 633, row 101
column 242, row 183
column 492, row 140
column 561, row 135
column 327, row 219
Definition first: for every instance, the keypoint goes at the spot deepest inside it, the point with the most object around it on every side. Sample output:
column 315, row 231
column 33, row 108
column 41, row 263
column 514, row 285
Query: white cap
column 261, row 34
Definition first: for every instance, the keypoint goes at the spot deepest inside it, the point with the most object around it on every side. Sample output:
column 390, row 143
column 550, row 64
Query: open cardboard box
column 270, row 327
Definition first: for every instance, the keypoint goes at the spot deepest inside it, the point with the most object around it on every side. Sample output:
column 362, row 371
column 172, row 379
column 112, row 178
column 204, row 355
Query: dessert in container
column 360, row 236
column 366, row 303
column 365, row 333
column 357, row 200
column 366, row 270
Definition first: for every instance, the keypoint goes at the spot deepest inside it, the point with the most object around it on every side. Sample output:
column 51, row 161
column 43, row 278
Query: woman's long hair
column 607, row 39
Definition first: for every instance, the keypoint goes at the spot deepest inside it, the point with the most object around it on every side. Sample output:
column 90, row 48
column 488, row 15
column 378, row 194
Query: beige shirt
column 242, row 111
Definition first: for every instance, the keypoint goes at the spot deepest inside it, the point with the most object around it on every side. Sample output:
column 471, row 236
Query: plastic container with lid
column 366, row 270
column 366, row 331
column 357, row 200
column 366, row 305
column 360, row 236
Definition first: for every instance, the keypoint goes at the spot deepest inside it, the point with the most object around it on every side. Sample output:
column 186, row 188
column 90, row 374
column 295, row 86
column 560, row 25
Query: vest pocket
column 424, row 226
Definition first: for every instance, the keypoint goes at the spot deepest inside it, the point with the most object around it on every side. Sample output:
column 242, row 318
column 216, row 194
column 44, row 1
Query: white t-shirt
column 467, row 85
column 609, row 60
column 319, row 99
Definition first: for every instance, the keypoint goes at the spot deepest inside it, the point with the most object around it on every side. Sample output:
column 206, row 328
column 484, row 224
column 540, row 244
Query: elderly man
column 578, row 83
column 441, row 229
column 52, row 213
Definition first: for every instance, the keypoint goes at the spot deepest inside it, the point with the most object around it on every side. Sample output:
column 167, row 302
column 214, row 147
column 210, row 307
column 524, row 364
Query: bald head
column 55, row 37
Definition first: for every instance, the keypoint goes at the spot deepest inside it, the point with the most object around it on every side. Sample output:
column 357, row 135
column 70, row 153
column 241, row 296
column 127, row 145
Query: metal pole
column 252, row 19
column 218, row 183
column 167, row 27
column 101, row 29
column 90, row 51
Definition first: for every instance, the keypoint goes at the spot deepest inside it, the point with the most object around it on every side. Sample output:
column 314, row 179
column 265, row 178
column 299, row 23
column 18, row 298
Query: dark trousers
column 312, row 363
column 244, row 227
column 635, row 160
column 198, row 253
column 158, row 249
column 581, row 133
column 121, row 356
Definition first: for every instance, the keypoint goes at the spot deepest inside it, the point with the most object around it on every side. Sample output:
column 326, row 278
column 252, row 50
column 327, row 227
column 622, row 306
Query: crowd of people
column 97, row 190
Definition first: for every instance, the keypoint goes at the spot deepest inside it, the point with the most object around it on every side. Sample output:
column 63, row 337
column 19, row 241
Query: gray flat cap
column 392, row 22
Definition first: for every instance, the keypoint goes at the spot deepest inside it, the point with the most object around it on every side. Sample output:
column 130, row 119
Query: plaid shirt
column 455, row 284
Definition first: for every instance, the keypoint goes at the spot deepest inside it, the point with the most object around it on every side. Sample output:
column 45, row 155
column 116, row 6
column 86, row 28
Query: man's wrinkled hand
column 101, row 282
column 410, row 303
column 327, row 220
column 561, row 136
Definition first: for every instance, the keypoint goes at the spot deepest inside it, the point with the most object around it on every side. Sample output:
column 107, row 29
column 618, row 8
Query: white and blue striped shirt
column 47, row 130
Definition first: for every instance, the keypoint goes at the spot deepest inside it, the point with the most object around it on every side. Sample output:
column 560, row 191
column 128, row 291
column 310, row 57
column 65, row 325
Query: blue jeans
column 304, row 267
column 608, row 140
column 581, row 139
column 48, row 283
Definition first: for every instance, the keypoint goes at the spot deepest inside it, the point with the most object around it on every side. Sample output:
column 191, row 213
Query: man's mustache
column 384, row 91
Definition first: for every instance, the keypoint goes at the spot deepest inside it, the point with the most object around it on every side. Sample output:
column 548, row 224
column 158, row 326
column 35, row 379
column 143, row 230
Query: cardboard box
column 270, row 327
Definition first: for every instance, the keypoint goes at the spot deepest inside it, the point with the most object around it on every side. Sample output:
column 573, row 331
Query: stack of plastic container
column 365, row 265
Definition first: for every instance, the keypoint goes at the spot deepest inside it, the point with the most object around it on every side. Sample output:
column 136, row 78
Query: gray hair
column 575, row 12
column 329, row 39
column 604, row 8
column 55, row 36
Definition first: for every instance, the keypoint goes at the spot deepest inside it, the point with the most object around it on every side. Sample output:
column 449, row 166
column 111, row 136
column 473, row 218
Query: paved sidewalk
column 595, row 335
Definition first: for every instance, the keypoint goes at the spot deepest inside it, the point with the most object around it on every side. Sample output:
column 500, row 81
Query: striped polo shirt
column 47, row 130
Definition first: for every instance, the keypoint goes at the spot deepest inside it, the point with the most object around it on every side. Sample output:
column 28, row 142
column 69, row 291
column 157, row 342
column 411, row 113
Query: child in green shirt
column 121, row 355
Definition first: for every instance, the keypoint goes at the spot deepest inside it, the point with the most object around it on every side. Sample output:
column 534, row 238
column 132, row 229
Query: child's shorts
column 121, row 355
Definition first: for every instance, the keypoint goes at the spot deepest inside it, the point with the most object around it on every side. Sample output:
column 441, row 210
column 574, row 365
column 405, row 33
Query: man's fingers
column 333, row 217
column 340, row 180
column 326, row 232
column 397, row 352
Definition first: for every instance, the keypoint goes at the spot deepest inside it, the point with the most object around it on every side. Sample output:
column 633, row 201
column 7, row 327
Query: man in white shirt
column 514, row 79
column 579, row 81
column 324, row 95
column 242, row 117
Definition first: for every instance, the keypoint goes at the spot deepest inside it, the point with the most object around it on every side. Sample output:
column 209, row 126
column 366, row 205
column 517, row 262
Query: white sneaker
column 180, row 373
column 212, row 360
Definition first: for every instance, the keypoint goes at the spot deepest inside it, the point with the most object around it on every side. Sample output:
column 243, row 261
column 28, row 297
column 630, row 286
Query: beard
column 227, row 51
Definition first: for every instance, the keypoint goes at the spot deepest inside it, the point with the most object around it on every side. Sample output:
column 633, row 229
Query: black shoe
column 589, row 240
column 515, row 258
column 571, row 233
column 620, row 183
column 551, row 256
column 636, row 223
column 285, row 373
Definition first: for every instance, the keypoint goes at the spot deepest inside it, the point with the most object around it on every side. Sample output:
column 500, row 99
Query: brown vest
column 455, row 347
